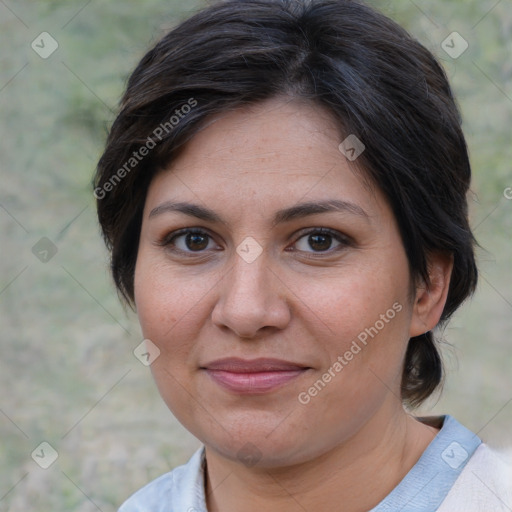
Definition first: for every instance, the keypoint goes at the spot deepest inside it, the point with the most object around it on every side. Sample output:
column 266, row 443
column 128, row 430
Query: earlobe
column 430, row 298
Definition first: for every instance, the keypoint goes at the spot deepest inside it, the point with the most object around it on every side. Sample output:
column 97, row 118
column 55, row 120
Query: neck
column 357, row 474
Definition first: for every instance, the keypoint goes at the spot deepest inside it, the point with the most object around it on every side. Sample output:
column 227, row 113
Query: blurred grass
column 66, row 341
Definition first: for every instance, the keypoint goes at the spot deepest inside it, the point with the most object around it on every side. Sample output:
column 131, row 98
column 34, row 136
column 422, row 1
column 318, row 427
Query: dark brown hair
column 373, row 77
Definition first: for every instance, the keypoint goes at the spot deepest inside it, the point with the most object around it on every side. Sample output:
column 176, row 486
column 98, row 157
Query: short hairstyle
column 375, row 79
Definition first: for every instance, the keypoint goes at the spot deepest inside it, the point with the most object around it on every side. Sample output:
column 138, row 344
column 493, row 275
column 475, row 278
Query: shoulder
column 484, row 484
column 151, row 495
column 180, row 489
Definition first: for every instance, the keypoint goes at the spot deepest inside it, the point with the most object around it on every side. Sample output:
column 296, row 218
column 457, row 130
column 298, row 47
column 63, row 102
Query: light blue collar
column 422, row 490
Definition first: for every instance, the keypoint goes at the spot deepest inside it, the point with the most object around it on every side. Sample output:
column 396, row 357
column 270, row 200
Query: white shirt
column 456, row 473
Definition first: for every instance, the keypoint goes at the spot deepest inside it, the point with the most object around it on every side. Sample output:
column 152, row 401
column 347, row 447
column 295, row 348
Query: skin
column 353, row 442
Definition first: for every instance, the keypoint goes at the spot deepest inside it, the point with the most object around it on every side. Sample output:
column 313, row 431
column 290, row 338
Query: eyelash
column 345, row 241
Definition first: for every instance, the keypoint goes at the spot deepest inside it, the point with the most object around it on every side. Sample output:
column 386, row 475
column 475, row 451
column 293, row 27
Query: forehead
column 275, row 153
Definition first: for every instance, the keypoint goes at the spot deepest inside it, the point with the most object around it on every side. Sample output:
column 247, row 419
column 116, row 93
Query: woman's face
column 282, row 326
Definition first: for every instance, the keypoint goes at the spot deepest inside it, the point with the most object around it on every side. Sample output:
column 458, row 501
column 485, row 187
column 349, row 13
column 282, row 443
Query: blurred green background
column 67, row 372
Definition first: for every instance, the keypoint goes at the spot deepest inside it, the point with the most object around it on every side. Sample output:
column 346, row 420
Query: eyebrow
column 294, row 212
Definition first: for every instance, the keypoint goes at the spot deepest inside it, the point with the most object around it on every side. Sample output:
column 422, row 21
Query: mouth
column 255, row 376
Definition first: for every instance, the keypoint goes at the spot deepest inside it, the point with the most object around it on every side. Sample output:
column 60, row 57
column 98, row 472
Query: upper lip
column 262, row 364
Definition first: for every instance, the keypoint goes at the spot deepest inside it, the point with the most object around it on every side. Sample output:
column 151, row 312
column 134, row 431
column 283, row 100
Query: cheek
column 168, row 308
column 357, row 303
column 171, row 308
column 367, row 315
column 160, row 301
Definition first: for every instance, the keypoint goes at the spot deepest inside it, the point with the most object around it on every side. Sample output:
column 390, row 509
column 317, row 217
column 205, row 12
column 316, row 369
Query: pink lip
column 254, row 376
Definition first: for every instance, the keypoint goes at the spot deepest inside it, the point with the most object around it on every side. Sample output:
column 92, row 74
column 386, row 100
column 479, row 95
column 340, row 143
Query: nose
column 252, row 299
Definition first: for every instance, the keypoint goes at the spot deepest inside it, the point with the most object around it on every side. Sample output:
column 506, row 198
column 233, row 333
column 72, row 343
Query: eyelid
column 327, row 231
column 166, row 238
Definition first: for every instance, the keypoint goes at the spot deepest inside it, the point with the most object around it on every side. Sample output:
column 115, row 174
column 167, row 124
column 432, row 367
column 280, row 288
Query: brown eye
column 196, row 241
column 321, row 240
column 188, row 241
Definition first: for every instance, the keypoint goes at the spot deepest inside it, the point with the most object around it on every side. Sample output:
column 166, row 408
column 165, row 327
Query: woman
column 284, row 195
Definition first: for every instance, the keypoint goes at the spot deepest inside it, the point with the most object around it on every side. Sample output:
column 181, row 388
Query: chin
column 260, row 445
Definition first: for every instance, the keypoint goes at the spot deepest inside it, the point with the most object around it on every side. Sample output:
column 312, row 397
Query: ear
column 430, row 299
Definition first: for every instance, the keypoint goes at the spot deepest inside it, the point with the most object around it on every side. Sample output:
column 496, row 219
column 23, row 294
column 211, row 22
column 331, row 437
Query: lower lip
column 253, row 383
